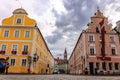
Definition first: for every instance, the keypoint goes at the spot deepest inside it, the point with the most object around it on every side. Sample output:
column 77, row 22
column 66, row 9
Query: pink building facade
column 97, row 50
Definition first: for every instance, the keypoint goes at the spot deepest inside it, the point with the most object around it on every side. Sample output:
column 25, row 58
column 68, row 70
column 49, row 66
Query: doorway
column 91, row 67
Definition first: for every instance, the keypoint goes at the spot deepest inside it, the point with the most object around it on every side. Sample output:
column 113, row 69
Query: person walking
column 6, row 67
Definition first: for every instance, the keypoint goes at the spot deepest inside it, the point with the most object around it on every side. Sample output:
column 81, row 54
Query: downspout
column 33, row 46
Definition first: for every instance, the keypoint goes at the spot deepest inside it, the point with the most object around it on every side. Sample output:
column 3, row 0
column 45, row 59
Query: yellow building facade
column 23, row 45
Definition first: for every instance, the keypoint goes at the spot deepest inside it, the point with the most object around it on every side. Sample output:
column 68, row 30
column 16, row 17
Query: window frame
column 18, row 34
column 92, row 49
column 110, row 66
column 116, row 67
column 26, row 35
column 18, row 22
column 104, row 64
column 5, row 47
column 98, row 65
column 24, row 46
column 92, row 45
column 112, row 38
column 11, row 64
column 22, row 63
column 14, row 45
column 114, row 46
column 91, row 38
column 4, row 35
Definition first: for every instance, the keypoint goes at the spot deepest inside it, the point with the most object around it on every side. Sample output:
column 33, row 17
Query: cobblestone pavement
column 56, row 77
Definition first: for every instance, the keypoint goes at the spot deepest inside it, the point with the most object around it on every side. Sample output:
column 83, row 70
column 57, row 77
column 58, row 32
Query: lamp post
column 35, row 59
column 29, row 62
column 6, row 65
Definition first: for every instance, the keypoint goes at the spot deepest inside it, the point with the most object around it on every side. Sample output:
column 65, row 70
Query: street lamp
column 35, row 57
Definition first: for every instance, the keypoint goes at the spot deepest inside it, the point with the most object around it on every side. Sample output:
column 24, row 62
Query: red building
column 97, row 50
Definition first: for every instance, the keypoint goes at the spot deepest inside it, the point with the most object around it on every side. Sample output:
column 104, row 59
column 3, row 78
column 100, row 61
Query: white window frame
column 14, row 64
column 12, row 47
column 25, row 45
column 4, row 34
column 113, row 46
column 15, row 34
column 2, row 47
column 21, row 62
column 17, row 21
column 25, row 34
column 93, row 37
column 92, row 46
column 113, row 38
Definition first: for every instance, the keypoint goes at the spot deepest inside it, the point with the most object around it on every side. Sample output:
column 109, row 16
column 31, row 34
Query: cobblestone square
column 56, row 77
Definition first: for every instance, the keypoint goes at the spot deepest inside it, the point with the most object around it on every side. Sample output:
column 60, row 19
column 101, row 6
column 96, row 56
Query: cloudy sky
column 61, row 21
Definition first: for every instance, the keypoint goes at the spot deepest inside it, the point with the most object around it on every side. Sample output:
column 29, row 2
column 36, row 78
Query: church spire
column 65, row 54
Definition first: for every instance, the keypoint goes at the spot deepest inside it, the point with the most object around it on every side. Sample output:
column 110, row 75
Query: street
column 56, row 77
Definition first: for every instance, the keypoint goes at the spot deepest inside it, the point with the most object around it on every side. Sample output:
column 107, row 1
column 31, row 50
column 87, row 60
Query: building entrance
column 91, row 67
column 2, row 65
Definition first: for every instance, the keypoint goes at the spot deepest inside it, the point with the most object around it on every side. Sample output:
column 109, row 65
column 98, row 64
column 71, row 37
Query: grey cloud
column 117, row 9
column 76, row 17
column 54, row 38
column 74, row 21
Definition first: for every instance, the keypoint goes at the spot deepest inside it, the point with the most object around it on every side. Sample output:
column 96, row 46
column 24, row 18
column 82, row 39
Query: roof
column 20, row 11
column 44, row 41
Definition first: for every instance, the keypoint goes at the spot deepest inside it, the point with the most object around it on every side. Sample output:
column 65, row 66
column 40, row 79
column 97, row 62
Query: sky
column 61, row 21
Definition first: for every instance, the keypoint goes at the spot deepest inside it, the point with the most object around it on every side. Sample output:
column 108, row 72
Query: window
column 111, row 38
column 104, row 66
column 97, row 65
column 23, row 62
column 12, row 62
column 25, row 48
column 14, row 48
column 91, row 21
column 92, row 50
column 16, row 34
column 27, row 34
column 113, row 51
column 6, row 33
column 3, row 48
column 91, row 38
column 110, row 66
column 116, row 66
column 19, row 21
column 97, row 29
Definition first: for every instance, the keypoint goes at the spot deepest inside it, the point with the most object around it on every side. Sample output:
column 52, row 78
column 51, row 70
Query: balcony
column 2, row 52
column 24, row 52
column 13, row 52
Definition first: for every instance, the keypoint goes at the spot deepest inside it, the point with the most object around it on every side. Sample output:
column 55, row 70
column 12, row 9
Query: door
column 91, row 66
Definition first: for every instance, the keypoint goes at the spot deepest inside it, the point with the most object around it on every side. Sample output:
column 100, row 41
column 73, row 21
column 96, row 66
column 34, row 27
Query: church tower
column 65, row 54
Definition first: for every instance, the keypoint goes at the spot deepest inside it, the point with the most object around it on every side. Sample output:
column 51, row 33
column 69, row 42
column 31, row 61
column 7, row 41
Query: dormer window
column 112, row 38
column 95, row 14
column 97, row 29
column 19, row 20
column 91, row 22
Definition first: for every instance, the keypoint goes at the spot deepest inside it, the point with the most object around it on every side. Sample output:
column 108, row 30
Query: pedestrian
column 6, row 67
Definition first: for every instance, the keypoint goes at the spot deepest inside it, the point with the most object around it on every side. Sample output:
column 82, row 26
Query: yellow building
column 23, row 45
